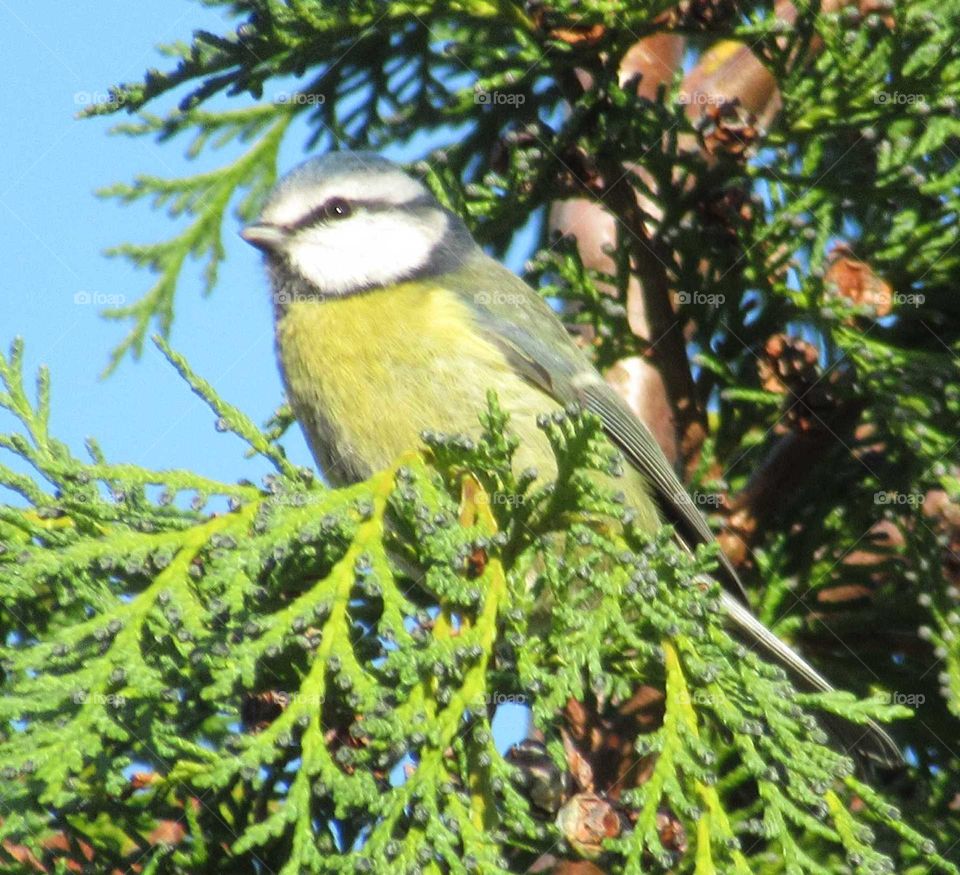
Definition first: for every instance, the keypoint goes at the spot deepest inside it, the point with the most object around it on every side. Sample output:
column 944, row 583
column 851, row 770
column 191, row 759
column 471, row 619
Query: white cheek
column 365, row 250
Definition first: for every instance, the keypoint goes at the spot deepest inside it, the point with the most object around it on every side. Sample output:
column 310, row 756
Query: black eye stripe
column 327, row 212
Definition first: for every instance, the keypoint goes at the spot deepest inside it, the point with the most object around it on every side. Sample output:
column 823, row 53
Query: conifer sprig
column 310, row 678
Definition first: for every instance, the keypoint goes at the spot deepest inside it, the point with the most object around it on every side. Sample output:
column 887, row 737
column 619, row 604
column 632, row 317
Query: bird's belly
column 363, row 402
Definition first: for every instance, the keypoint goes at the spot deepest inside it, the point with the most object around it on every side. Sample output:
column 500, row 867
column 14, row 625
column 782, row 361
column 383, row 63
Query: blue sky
column 57, row 58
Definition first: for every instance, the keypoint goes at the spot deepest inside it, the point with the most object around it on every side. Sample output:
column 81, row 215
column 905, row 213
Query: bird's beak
column 263, row 235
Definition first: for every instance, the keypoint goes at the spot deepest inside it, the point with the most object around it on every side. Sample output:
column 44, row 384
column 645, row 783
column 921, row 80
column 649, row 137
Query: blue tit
column 391, row 320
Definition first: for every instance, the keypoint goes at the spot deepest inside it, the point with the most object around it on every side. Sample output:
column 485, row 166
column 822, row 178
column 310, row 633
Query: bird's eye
column 329, row 211
column 336, row 208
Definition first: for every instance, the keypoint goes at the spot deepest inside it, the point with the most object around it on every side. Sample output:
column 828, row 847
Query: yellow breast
column 368, row 373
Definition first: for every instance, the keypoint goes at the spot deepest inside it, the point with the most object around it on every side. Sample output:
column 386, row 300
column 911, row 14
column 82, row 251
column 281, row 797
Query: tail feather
column 867, row 740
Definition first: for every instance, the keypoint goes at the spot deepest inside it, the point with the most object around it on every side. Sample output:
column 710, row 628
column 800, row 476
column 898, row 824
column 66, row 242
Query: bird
column 391, row 320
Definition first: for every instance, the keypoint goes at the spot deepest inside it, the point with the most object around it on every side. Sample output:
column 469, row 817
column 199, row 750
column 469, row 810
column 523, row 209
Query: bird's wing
column 539, row 348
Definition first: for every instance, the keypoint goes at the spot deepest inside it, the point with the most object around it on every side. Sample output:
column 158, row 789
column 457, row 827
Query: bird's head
column 348, row 222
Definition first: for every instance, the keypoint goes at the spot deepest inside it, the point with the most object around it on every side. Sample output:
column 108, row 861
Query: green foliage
column 204, row 677
column 140, row 635
column 203, row 197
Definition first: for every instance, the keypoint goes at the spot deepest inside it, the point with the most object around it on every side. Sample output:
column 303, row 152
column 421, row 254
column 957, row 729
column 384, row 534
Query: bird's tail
column 867, row 740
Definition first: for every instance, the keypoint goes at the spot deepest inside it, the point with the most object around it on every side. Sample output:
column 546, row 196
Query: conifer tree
column 747, row 214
